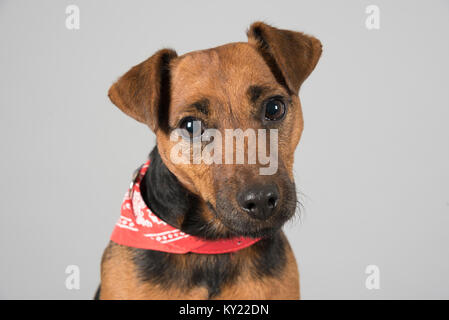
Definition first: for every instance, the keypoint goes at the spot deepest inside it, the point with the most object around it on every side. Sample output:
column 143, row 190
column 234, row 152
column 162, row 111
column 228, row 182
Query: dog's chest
column 129, row 273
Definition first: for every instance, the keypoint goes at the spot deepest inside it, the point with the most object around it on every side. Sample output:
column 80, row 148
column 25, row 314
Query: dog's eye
column 193, row 126
column 274, row 109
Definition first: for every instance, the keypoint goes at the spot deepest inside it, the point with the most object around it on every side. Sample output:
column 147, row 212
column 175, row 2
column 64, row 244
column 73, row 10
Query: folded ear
column 144, row 91
column 291, row 55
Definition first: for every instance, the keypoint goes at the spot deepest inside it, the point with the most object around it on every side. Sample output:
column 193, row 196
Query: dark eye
column 274, row 109
column 193, row 126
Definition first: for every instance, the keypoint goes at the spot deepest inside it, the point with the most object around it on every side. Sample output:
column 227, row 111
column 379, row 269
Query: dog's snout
column 259, row 201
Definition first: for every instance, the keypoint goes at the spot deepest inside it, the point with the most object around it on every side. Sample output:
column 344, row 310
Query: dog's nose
column 259, row 201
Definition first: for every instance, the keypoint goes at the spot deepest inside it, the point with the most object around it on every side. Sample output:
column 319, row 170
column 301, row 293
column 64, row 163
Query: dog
column 253, row 84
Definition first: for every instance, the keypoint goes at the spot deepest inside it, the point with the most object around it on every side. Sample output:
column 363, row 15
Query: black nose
column 259, row 200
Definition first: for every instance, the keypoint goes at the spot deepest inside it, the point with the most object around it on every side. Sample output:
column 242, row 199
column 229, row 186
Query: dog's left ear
column 291, row 55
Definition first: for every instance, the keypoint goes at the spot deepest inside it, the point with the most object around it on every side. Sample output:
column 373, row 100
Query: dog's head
column 250, row 86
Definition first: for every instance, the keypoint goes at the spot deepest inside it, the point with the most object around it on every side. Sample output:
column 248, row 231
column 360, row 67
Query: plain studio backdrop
column 372, row 165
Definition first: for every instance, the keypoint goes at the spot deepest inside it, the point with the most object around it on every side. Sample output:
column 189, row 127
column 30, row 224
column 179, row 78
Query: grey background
column 372, row 163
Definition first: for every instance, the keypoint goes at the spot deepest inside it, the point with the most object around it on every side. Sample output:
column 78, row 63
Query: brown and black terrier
column 252, row 84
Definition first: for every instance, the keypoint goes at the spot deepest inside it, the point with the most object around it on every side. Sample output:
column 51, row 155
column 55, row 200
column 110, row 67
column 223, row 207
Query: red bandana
column 138, row 227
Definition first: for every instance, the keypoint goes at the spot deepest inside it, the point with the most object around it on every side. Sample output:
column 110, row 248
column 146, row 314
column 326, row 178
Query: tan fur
column 284, row 287
column 120, row 281
column 277, row 59
column 223, row 74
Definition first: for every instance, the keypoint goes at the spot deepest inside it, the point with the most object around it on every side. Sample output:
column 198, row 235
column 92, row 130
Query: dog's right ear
column 144, row 91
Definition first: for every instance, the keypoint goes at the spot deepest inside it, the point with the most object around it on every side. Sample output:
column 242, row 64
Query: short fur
column 227, row 87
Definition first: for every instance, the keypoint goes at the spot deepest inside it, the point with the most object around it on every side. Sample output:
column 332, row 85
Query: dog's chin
column 253, row 230
column 238, row 223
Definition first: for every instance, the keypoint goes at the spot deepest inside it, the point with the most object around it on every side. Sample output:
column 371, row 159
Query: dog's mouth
column 252, row 228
